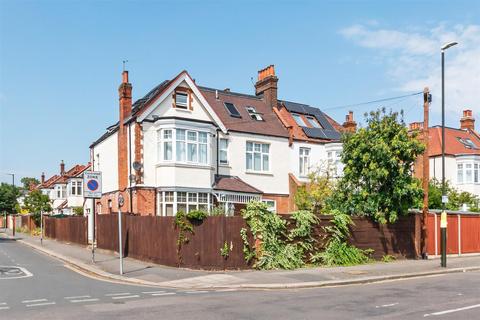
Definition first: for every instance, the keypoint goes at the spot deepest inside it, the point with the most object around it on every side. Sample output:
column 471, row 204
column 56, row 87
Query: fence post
column 41, row 227
column 459, row 235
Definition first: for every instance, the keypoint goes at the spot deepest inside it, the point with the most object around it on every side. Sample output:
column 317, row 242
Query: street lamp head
column 448, row 45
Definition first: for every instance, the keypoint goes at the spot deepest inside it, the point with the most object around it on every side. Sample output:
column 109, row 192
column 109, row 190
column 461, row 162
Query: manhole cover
column 7, row 272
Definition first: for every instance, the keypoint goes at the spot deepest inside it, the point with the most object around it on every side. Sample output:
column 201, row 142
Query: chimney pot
column 42, row 178
column 350, row 125
column 62, row 168
column 125, row 76
column 467, row 122
column 266, row 86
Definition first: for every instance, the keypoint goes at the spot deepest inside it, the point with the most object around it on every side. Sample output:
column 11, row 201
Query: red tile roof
column 454, row 141
column 233, row 183
column 270, row 125
column 49, row 182
column 75, row 171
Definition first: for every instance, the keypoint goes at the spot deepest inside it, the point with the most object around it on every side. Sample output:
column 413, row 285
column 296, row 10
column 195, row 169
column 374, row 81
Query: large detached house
column 462, row 154
column 185, row 147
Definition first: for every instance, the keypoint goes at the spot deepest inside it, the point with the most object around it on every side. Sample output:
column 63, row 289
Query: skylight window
column 469, row 144
column 313, row 122
column 232, row 110
column 298, row 119
column 254, row 114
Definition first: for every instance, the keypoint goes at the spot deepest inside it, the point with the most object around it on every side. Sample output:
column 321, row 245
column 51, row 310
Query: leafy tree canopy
column 27, row 181
column 8, row 198
column 378, row 159
column 456, row 199
column 35, row 202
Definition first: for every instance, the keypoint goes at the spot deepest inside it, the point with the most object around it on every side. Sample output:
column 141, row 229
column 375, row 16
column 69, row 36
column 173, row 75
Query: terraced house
column 184, row 146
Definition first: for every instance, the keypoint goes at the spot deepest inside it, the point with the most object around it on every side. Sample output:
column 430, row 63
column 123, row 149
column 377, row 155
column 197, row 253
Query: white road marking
column 4, row 308
column 149, row 292
column 163, row 294
column 84, row 300
column 2, row 303
column 117, row 294
column 225, row 290
column 37, row 300
column 452, row 310
column 39, row 304
column 387, row 305
column 201, row 291
column 77, row 297
column 126, row 297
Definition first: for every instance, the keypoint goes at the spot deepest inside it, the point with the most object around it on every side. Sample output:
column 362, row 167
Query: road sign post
column 120, row 249
column 41, row 227
column 92, row 188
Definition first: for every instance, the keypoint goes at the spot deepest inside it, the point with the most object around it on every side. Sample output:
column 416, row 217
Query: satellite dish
column 137, row 166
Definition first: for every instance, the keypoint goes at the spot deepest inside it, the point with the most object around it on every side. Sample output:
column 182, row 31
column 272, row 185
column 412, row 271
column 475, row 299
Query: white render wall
column 451, row 172
column 108, row 164
column 275, row 181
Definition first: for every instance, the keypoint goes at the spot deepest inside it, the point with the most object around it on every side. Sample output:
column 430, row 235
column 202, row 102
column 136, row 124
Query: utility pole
column 426, row 169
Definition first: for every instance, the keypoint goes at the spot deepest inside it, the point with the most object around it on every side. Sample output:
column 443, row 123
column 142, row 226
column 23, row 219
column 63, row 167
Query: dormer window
column 181, row 100
column 313, row 122
column 254, row 114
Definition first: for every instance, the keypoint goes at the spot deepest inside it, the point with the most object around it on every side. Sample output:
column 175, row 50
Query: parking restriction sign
column 92, row 184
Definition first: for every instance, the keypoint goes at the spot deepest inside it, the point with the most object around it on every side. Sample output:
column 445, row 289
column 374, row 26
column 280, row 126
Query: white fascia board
column 184, row 77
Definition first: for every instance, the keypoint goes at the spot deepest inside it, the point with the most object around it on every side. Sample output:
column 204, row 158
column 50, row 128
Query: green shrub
column 198, row 215
column 340, row 253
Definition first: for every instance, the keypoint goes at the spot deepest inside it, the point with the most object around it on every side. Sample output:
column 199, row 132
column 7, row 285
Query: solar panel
column 319, row 133
column 232, row 110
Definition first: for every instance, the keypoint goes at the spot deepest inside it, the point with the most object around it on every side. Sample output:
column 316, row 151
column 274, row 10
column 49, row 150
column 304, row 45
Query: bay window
column 171, row 202
column 475, row 173
column 258, row 157
column 460, row 173
column 181, row 145
column 468, row 172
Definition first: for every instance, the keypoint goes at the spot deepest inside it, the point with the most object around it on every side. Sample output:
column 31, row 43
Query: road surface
column 36, row 286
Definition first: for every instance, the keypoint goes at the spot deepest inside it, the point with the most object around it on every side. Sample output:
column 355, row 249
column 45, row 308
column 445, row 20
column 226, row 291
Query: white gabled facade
column 183, row 149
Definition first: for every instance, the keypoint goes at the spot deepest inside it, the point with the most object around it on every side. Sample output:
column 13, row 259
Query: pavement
column 106, row 266
column 34, row 285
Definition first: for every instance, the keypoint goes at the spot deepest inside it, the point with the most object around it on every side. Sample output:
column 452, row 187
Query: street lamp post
column 13, row 178
column 443, row 220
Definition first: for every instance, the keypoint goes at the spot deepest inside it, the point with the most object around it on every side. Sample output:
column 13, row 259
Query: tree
column 27, row 181
column 378, row 159
column 315, row 195
column 8, row 198
column 456, row 199
column 35, row 202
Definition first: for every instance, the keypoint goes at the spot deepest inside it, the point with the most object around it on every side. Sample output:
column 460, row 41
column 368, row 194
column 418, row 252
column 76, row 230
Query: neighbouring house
column 185, row 147
column 462, row 154
column 66, row 189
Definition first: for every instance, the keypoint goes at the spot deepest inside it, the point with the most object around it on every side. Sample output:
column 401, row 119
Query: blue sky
column 60, row 61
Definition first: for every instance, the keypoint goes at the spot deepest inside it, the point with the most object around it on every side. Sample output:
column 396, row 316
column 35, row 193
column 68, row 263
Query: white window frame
column 298, row 118
column 313, row 122
column 75, row 187
column 268, row 202
column 224, row 150
column 460, row 173
column 189, row 201
column 304, row 161
column 262, row 156
column 181, row 105
column 468, row 171
column 252, row 112
column 172, row 139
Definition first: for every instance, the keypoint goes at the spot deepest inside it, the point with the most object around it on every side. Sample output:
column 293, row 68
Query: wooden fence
column 463, row 233
column 68, row 229
column 154, row 239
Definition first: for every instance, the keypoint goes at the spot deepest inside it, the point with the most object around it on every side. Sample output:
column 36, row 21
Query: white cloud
column 413, row 61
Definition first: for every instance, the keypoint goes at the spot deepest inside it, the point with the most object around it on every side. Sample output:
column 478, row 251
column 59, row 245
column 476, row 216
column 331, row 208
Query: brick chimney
column 62, row 168
column 42, row 177
column 415, row 126
column 266, row 86
column 467, row 121
column 125, row 109
column 350, row 125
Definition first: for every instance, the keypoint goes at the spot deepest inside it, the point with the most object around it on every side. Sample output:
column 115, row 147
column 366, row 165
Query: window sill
column 225, row 165
column 261, row 173
column 184, row 165
column 183, row 109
